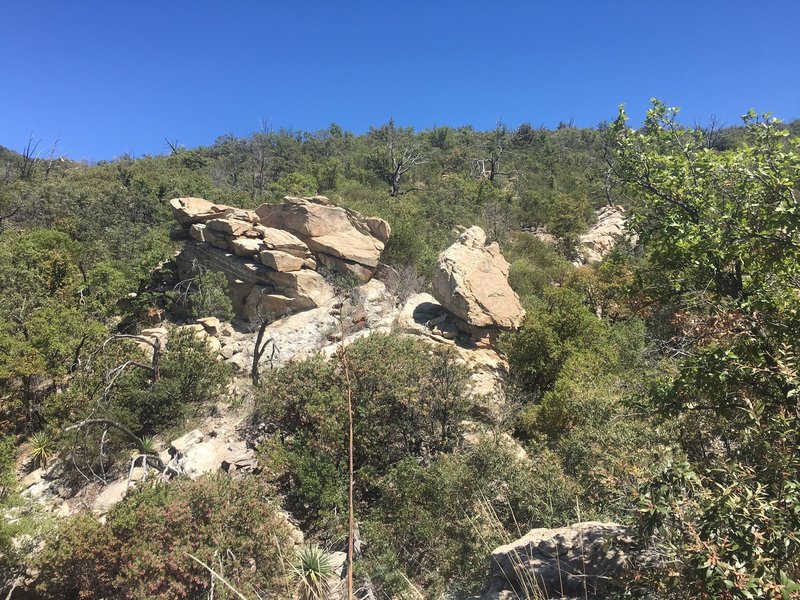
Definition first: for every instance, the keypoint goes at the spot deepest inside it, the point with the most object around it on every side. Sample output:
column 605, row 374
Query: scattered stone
column 210, row 324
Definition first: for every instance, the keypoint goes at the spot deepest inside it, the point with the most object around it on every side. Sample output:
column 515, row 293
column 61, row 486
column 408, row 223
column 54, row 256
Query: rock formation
column 341, row 239
column 566, row 562
column 471, row 282
column 595, row 244
column 270, row 256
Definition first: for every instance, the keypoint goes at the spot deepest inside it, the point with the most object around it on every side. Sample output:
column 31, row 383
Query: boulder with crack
column 471, row 282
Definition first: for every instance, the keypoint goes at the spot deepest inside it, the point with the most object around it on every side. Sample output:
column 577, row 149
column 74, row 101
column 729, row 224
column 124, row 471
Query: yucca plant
column 43, row 447
column 313, row 570
column 149, row 445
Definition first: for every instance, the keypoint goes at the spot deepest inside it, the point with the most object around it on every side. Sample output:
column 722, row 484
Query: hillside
column 554, row 363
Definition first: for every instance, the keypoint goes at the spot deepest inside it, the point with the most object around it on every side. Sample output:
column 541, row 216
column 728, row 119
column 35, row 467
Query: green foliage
column 556, row 325
column 205, row 295
column 435, row 524
column 143, row 549
column 313, row 570
column 7, row 485
column 720, row 232
column 408, row 400
column 43, row 447
column 191, row 378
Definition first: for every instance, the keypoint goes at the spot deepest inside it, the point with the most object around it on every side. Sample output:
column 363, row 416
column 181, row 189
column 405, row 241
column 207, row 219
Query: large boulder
column 471, row 281
column 566, row 562
column 342, row 239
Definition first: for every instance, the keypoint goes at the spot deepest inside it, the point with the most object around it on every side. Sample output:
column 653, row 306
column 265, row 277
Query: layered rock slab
column 341, row 239
column 471, row 282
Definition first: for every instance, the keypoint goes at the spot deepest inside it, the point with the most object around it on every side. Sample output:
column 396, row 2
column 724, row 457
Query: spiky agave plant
column 313, row 571
column 43, row 447
column 149, row 445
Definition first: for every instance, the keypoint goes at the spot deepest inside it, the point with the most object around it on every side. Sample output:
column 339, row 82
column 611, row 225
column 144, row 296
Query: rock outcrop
column 341, row 239
column 594, row 245
column 270, row 256
column 471, row 282
column 566, row 562
column 188, row 211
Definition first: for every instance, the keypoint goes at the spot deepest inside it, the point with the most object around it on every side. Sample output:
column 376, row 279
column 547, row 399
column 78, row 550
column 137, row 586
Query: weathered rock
column 232, row 227
column 281, row 261
column 249, row 280
column 210, row 324
column 196, row 210
column 594, row 245
column 197, row 232
column 245, row 246
column 346, row 267
column 186, row 441
column 111, row 495
column 277, row 239
column 471, row 281
column 416, row 313
column 330, row 230
column 566, row 562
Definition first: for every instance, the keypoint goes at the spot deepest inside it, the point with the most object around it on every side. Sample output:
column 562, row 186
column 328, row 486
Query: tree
column 398, row 153
column 492, row 147
column 720, row 232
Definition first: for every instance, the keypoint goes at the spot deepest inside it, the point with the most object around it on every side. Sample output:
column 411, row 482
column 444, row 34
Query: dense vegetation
column 658, row 388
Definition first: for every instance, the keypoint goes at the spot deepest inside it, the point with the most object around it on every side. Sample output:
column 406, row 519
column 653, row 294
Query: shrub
column 436, row 524
column 408, row 400
column 142, row 551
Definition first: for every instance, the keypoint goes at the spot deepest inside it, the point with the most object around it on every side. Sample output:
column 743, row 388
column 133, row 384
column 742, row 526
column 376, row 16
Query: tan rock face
column 277, row 239
column 233, row 227
column 601, row 238
column 332, row 231
column 281, row 261
column 271, row 265
column 197, row 210
column 246, row 246
column 471, row 281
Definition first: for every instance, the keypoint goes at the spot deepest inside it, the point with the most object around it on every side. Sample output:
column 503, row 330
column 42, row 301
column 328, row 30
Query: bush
column 191, row 378
column 436, row 524
column 142, row 551
column 408, row 400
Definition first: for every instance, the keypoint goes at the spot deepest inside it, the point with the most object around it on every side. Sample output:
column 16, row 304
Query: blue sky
column 121, row 75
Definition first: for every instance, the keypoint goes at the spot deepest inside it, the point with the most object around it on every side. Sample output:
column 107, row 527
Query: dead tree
column 259, row 349
column 152, row 460
column 173, row 146
column 493, row 147
column 403, row 153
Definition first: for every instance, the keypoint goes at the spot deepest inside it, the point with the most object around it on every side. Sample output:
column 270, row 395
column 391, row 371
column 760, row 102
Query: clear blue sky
column 121, row 75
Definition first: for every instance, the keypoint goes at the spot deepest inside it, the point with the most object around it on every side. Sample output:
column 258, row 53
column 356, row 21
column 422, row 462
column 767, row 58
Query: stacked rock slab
column 270, row 270
column 340, row 239
column 471, row 282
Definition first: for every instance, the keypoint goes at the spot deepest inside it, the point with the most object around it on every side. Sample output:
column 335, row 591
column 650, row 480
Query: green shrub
column 436, row 524
column 408, row 400
column 142, row 552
